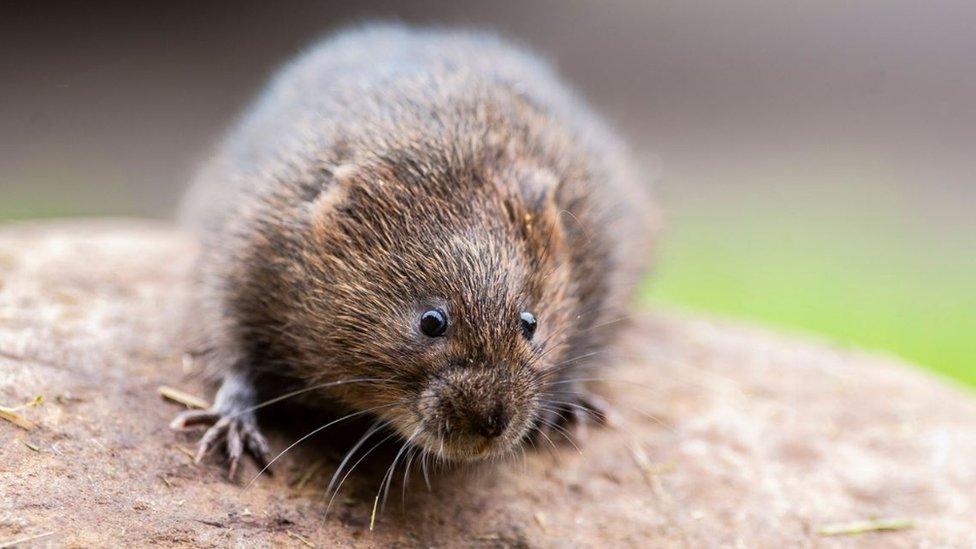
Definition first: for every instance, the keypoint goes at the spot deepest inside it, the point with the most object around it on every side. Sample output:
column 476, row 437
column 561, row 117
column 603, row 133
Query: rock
column 725, row 435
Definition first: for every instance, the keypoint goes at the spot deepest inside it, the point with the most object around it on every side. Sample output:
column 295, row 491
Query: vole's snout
column 491, row 425
column 469, row 415
column 476, row 420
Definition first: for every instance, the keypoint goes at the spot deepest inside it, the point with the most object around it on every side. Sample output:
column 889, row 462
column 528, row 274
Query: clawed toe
column 213, row 437
column 237, row 434
column 192, row 418
column 256, row 444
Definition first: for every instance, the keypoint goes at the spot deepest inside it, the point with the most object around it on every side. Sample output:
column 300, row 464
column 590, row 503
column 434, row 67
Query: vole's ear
column 539, row 188
column 536, row 211
column 330, row 204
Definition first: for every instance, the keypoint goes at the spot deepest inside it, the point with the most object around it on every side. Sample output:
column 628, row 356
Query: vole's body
column 388, row 172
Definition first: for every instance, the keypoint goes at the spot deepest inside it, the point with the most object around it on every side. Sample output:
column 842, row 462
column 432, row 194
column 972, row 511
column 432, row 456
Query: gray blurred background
column 816, row 158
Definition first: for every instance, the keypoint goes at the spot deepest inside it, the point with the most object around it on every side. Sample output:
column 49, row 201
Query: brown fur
column 388, row 171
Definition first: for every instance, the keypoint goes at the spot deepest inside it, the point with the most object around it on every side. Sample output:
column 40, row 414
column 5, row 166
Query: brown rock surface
column 725, row 435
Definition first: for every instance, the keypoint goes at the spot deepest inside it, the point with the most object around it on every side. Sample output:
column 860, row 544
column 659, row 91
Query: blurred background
column 817, row 159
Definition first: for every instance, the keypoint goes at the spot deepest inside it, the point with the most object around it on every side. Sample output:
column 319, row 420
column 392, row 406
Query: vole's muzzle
column 470, row 407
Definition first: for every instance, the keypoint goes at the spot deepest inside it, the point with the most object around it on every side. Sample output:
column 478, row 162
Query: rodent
column 426, row 225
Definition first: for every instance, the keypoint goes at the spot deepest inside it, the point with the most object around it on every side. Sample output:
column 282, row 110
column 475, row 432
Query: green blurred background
column 816, row 159
column 821, row 264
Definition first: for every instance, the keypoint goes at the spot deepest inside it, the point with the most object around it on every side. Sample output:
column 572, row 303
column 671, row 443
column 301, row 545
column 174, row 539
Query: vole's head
column 452, row 287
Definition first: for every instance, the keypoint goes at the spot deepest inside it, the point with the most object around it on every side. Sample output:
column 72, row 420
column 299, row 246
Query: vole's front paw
column 236, row 433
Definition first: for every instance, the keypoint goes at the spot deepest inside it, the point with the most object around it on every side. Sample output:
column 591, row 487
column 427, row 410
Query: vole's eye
column 529, row 323
column 433, row 323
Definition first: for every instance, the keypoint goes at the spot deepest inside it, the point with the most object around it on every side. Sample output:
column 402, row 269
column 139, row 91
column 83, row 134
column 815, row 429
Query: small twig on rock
column 21, row 541
column 11, row 415
column 182, row 397
column 372, row 517
column 864, row 526
column 304, row 541
column 188, row 453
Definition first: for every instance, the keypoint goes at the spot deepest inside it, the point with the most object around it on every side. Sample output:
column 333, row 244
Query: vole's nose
column 492, row 424
column 469, row 404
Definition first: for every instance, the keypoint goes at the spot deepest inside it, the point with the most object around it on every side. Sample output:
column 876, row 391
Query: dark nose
column 492, row 424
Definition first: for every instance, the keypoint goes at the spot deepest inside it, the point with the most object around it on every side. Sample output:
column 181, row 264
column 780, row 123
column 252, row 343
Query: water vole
column 425, row 225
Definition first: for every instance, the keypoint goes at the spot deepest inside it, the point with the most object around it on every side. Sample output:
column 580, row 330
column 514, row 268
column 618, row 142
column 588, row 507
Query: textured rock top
column 724, row 435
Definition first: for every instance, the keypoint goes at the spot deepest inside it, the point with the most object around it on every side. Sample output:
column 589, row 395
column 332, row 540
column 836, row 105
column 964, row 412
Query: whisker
column 631, row 407
column 602, row 379
column 682, row 376
column 552, row 336
column 370, row 431
column 406, row 475
column 353, row 468
column 573, row 405
column 314, row 432
column 561, row 430
column 543, row 433
column 557, row 427
column 304, row 390
column 553, row 373
column 530, row 441
column 586, row 329
column 623, row 318
column 391, row 472
column 566, row 363
column 424, row 454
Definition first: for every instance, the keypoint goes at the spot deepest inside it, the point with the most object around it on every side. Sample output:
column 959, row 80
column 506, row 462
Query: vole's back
column 380, row 85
